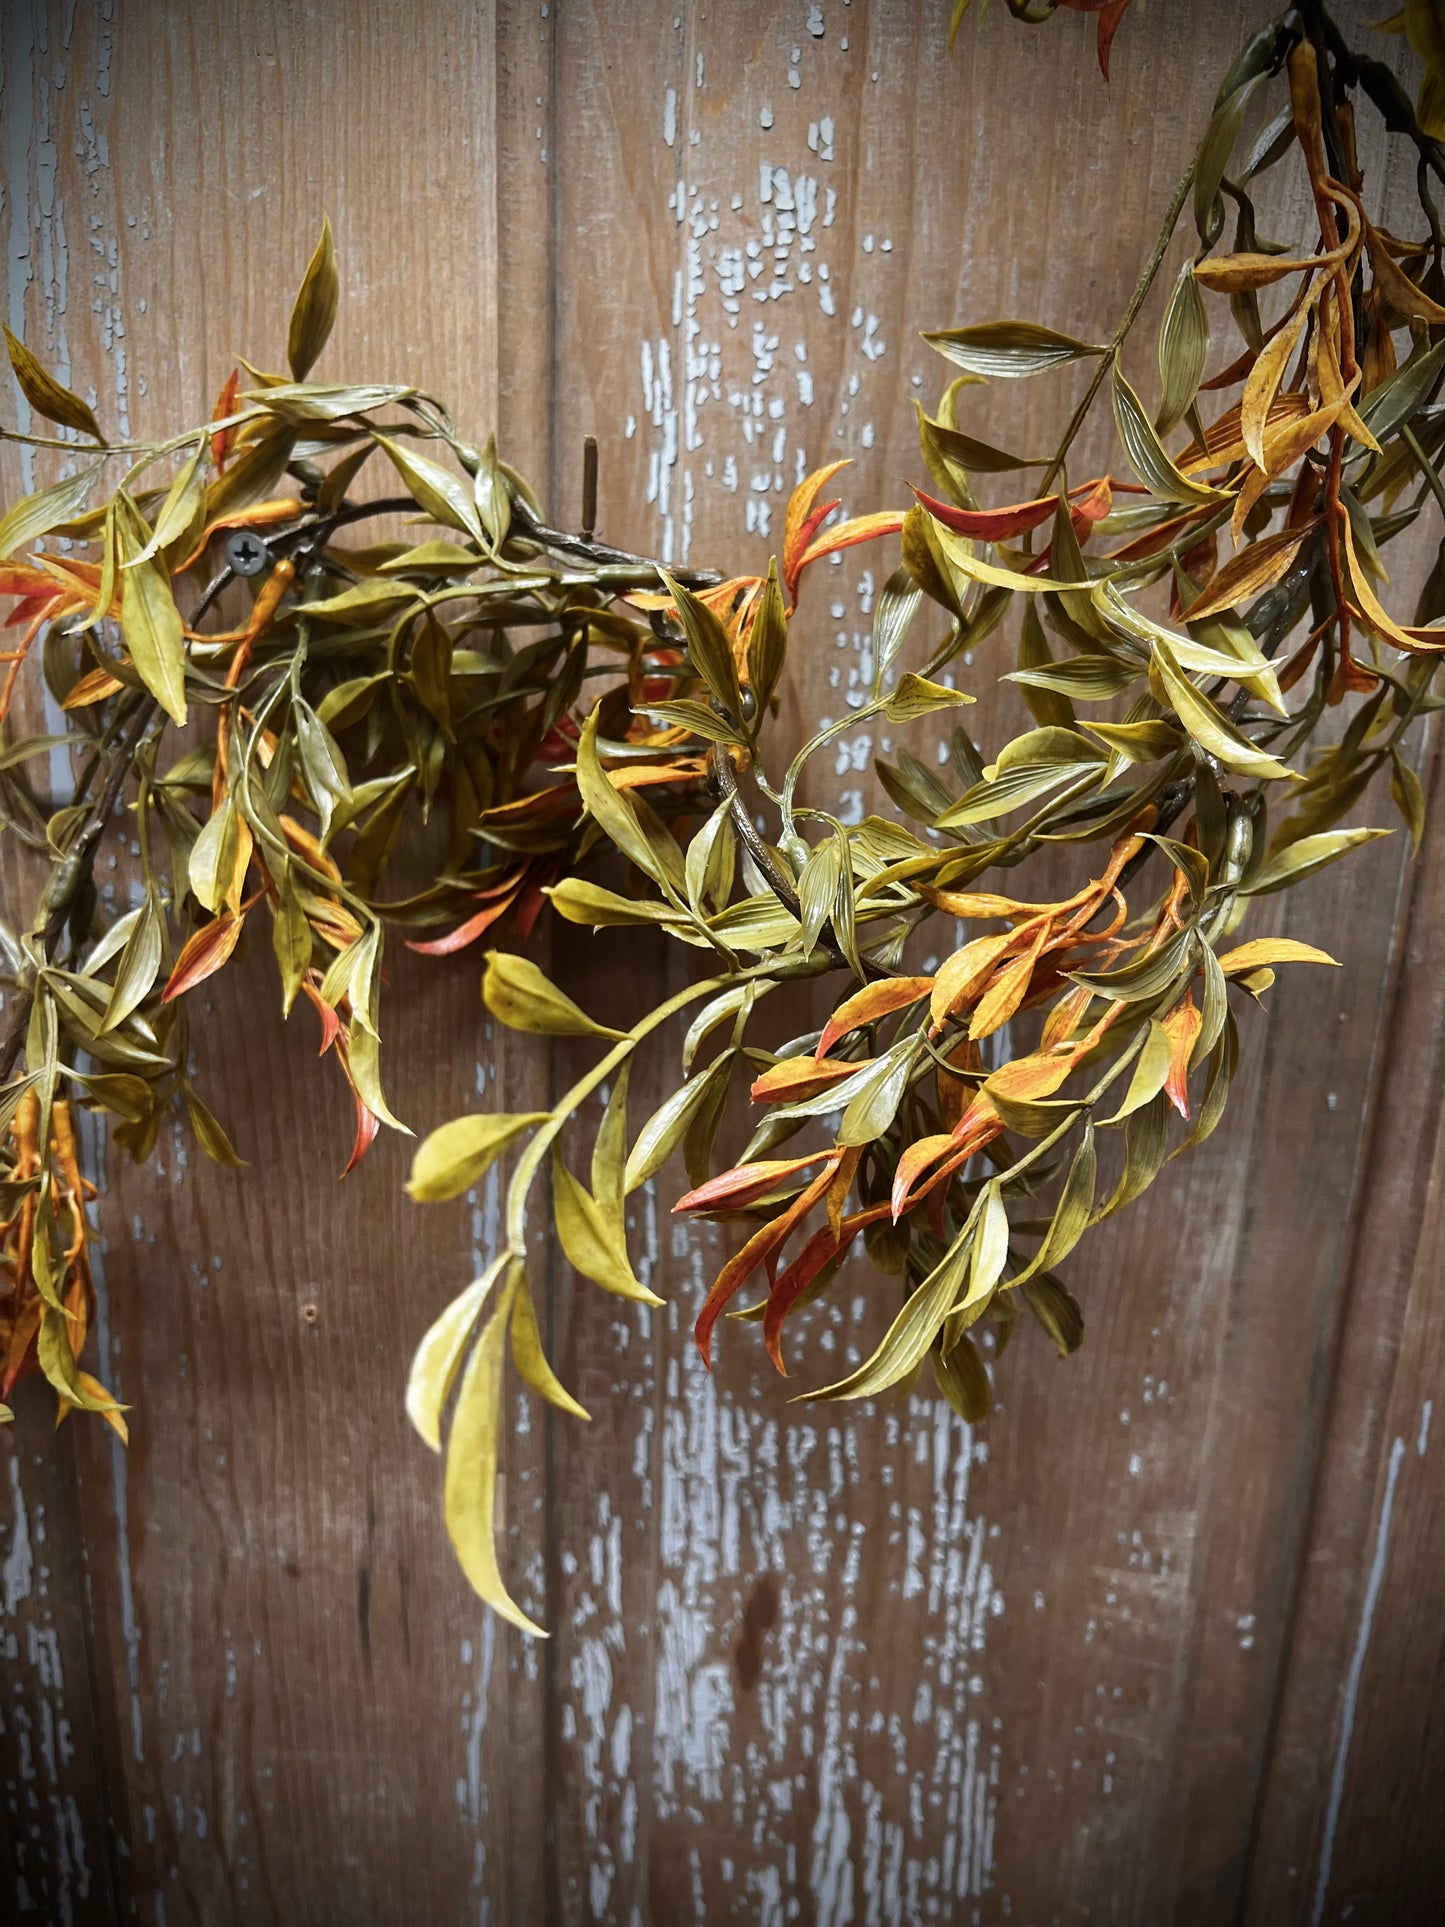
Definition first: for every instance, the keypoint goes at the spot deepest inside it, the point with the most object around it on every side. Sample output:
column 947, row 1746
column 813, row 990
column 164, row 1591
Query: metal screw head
column 246, row 553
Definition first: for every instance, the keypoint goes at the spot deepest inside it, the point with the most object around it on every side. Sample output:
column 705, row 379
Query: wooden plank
column 832, row 1665
column 801, row 1702
column 310, row 1709
column 1348, row 1812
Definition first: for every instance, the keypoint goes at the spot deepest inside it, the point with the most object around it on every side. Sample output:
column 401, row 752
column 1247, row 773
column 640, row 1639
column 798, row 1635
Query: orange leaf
column 802, row 521
column 862, row 528
column 225, row 405
column 1007, row 991
column 259, row 515
column 1182, row 1027
column 868, row 1005
column 204, row 954
column 1249, row 573
column 93, row 687
column 964, row 974
column 760, row 1247
column 496, row 901
column 746, row 1183
column 990, row 525
column 789, row 1285
column 796, row 1078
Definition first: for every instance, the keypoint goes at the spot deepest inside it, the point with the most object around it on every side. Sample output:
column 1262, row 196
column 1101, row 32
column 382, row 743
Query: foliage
column 1214, row 681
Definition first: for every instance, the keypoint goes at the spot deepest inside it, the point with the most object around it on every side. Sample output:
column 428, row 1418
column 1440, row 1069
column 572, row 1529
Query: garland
column 539, row 700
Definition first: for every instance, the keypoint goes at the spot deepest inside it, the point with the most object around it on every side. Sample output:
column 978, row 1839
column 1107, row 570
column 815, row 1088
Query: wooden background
column 1161, row 1643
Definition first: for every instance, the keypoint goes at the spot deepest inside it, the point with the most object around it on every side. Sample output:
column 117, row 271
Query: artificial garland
column 1183, row 638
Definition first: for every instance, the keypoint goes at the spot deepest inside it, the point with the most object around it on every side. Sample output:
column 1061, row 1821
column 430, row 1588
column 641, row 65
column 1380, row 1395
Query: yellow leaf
column 471, row 1475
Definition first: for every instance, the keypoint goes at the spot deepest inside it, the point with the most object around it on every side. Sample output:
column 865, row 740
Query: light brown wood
column 1159, row 1643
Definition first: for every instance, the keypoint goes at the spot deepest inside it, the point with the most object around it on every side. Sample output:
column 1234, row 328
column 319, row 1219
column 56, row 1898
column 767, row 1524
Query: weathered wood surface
column 1164, row 1640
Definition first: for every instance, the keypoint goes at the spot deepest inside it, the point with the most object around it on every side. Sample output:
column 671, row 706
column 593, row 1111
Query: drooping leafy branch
column 1214, row 681
column 1184, row 636
column 437, row 675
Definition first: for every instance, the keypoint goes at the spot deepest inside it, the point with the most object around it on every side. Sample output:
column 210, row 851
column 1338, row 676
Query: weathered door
column 1165, row 1640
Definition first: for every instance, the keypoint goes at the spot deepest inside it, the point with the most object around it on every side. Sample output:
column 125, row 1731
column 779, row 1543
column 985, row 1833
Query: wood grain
column 1162, row 1641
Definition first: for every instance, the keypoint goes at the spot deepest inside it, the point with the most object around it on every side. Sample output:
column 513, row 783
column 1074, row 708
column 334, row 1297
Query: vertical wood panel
column 833, row 1665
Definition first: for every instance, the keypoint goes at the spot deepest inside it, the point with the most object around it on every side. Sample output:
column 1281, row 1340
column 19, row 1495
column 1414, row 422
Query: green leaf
column 700, row 718
column 873, row 1097
column 894, row 614
column 490, row 493
column 290, row 939
column 709, row 868
column 1083, row 679
column 209, row 1133
column 609, row 1158
column 515, row 990
column 906, row 1342
column 1151, row 461
column 582, row 902
column 1151, row 1070
column 1299, row 860
column 962, row 1377
column 149, row 618
column 1073, row 1210
column 46, row 395
column 667, row 1126
column 627, row 820
column 527, row 1353
column 1408, row 797
column 439, row 493
column 58, row 1363
column 455, row 1156
column 1183, row 350
column 471, row 1474
column 314, row 312
column 708, row 646
column 767, row 642
column 945, row 445
column 1057, row 1311
column 182, row 517
column 1209, row 726
column 364, row 1058
column 1009, row 348
column 591, row 1245
column 434, row 1367
column 139, row 967
column 916, row 696
column 35, row 515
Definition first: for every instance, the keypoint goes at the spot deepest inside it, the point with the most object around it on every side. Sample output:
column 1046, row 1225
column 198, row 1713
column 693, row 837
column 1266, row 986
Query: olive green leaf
column 1298, row 860
column 455, row 1156
column 708, row 646
column 46, row 395
column 439, row 493
column 434, row 1367
column 528, row 1354
column 26, row 520
column 314, row 312
column 767, row 642
column 149, row 618
column 515, row 990
column 590, row 1242
column 1183, row 350
column 209, row 1133
column 140, row 964
column 471, row 1468
column 1009, row 348
column 916, row 696
column 1209, row 726
column 1148, row 456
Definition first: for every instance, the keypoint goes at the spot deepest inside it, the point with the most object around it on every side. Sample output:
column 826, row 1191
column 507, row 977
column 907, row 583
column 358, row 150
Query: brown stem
column 73, row 873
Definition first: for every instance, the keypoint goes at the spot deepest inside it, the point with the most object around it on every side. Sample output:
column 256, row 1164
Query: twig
column 70, row 877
